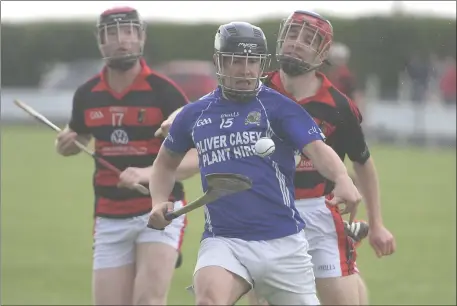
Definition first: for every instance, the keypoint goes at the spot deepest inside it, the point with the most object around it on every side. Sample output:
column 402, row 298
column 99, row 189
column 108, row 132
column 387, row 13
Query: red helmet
column 121, row 37
column 304, row 40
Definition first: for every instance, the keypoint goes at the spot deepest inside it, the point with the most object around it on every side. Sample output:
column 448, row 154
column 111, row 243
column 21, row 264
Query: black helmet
column 241, row 56
column 121, row 37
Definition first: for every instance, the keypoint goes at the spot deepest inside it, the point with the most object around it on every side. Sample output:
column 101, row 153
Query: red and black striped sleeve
column 170, row 93
column 77, row 122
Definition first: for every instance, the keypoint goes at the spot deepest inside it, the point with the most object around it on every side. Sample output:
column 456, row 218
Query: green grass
column 46, row 226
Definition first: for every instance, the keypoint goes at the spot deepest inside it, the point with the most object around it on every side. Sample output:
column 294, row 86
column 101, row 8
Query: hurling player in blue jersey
column 254, row 238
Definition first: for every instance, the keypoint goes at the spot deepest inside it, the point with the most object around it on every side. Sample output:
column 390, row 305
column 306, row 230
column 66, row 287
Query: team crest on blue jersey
column 253, row 118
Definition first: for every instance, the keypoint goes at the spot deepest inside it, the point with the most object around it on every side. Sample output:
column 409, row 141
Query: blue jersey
column 224, row 133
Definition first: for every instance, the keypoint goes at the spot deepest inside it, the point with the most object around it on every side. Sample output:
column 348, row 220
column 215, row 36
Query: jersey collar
column 139, row 84
column 277, row 85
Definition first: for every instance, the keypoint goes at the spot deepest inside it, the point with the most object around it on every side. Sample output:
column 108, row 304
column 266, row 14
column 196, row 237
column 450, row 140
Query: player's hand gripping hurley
column 219, row 185
column 106, row 164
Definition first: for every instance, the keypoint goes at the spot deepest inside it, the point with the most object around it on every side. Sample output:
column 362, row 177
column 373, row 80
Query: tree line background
column 380, row 45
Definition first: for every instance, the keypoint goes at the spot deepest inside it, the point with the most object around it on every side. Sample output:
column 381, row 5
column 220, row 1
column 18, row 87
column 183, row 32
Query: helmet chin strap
column 122, row 64
column 237, row 96
column 292, row 67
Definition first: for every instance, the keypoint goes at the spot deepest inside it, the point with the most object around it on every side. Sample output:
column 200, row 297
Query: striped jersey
column 123, row 126
column 224, row 133
column 340, row 121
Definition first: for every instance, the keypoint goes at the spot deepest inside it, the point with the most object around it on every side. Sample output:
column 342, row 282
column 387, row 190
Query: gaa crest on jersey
column 253, row 118
column 119, row 137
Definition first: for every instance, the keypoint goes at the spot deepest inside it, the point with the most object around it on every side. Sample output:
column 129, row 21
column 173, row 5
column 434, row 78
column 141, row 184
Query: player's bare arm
column 163, row 174
column 188, row 166
column 163, row 177
column 302, row 130
column 186, row 169
column 65, row 142
column 381, row 239
column 367, row 181
column 364, row 168
column 326, row 161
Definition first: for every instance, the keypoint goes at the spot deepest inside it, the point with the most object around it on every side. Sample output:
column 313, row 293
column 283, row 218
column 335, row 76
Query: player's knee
column 150, row 292
column 290, row 298
column 209, row 299
column 151, row 288
column 211, row 296
column 338, row 290
column 149, row 295
column 254, row 299
column 205, row 301
column 146, row 299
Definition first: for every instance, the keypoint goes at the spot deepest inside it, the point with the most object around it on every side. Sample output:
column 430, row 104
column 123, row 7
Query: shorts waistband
column 310, row 202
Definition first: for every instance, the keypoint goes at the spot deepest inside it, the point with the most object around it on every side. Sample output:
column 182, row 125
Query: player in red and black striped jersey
column 121, row 108
column 303, row 43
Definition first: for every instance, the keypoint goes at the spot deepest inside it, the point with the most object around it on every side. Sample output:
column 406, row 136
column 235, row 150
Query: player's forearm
column 188, row 166
column 326, row 161
column 163, row 175
column 161, row 183
column 367, row 182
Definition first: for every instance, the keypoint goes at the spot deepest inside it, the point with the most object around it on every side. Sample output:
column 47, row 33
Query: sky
column 208, row 11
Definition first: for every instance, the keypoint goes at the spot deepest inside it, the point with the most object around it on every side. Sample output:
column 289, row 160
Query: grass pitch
column 46, row 226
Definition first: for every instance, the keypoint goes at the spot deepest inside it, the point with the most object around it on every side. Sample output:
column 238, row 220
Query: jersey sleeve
column 179, row 139
column 294, row 124
column 77, row 122
column 353, row 137
column 173, row 98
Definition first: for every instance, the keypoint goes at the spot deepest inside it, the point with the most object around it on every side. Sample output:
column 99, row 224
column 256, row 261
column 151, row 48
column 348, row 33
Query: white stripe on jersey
column 208, row 219
column 284, row 190
column 279, row 175
column 207, row 215
column 282, row 184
